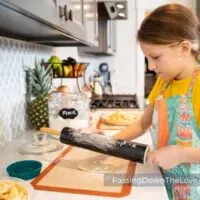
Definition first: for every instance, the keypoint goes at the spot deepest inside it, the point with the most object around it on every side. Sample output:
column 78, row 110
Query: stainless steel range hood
column 113, row 10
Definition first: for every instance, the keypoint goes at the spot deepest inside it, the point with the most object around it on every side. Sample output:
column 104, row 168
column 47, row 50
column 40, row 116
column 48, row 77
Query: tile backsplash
column 14, row 56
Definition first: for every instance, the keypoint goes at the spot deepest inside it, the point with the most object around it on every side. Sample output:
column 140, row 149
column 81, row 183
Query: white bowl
column 25, row 184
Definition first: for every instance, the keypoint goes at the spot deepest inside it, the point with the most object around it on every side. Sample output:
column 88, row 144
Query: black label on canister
column 68, row 113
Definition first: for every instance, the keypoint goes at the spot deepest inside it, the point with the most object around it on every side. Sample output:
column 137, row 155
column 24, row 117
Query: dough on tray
column 107, row 165
column 119, row 118
column 94, row 166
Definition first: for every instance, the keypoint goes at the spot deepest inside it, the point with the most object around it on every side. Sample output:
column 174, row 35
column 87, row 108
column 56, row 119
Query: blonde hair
column 169, row 24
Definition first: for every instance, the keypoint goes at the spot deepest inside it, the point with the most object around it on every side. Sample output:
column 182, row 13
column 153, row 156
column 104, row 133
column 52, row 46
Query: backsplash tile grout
column 14, row 56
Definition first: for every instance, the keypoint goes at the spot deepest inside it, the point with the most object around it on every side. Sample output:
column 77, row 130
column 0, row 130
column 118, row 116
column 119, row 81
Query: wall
column 14, row 56
column 127, row 65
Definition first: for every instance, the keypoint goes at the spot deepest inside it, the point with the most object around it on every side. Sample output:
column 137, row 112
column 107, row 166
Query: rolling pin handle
column 49, row 131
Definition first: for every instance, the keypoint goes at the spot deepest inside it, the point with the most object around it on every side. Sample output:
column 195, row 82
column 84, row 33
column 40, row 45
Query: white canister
column 68, row 110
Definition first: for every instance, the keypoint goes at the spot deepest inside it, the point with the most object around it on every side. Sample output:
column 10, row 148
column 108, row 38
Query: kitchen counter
column 9, row 154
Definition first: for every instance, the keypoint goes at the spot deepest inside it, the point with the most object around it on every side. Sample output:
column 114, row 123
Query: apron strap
column 194, row 74
column 189, row 92
column 164, row 87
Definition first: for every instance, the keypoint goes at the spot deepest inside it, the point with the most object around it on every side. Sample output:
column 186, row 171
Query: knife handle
column 49, row 131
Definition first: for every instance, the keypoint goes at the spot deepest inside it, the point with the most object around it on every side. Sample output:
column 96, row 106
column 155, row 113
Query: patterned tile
column 14, row 55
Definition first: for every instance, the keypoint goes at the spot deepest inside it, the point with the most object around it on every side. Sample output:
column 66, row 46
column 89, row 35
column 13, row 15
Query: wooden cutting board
column 105, row 124
column 63, row 176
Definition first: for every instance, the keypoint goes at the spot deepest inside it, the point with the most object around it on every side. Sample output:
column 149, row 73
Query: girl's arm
column 173, row 155
column 138, row 127
column 190, row 155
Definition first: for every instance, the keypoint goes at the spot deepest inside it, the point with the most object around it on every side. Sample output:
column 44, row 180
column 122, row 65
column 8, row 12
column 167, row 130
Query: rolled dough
column 107, row 165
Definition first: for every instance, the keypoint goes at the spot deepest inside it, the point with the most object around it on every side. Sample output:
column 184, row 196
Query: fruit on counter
column 77, row 69
column 55, row 61
column 70, row 68
column 66, row 71
column 56, row 64
column 82, row 69
column 59, row 71
column 62, row 88
column 39, row 82
column 69, row 61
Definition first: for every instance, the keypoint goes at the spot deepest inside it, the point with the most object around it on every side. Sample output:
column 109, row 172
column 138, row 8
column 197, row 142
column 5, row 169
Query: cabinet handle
column 66, row 13
column 70, row 15
column 61, row 11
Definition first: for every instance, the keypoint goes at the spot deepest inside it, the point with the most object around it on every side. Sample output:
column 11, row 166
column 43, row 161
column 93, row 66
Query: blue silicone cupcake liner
column 25, row 169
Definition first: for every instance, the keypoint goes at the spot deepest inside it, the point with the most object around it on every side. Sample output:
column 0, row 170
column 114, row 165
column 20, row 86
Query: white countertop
column 9, row 154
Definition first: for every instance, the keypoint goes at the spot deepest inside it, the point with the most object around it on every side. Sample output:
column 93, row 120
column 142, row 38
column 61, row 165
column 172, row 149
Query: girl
column 169, row 40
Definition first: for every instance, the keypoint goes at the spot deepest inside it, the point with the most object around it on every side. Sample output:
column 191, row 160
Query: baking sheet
column 62, row 176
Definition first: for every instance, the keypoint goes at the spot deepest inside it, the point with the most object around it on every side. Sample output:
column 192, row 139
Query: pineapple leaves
column 39, row 80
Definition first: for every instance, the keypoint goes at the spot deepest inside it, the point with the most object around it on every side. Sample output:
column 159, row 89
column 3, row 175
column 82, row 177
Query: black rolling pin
column 96, row 142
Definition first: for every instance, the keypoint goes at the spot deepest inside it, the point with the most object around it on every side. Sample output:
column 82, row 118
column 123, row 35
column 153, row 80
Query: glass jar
column 68, row 110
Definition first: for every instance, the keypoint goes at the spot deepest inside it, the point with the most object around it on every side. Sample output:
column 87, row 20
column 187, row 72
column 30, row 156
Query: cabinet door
column 91, row 21
column 71, row 14
column 44, row 9
column 77, row 11
column 72, row 10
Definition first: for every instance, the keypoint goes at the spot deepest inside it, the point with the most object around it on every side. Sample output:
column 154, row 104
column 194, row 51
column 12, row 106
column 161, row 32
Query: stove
column 114, row 101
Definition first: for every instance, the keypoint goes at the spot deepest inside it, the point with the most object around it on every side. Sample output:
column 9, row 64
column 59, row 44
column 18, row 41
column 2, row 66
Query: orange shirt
column 177, row 87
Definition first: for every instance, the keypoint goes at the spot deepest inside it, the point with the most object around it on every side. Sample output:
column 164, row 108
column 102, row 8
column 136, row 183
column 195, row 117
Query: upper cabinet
column 61, row 22
column 43, row 10
column 108, row 13
column 91, row 21
column 71, row 14
column 107, row 40
column 51, row 22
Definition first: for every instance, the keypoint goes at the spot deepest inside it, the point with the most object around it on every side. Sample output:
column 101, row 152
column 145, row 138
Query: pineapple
column 39, row 82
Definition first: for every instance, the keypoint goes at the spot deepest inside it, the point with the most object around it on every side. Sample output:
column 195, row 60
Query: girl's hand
column 166, row 157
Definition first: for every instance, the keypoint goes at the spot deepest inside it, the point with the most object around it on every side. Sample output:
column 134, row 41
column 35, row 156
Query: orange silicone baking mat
column 63, row 176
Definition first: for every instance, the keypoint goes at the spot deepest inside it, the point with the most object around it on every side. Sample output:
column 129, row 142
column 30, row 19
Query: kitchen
column 125, row 79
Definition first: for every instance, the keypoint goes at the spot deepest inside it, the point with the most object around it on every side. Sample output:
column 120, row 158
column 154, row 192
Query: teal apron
column 174, row 123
